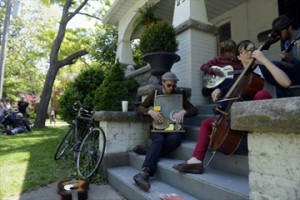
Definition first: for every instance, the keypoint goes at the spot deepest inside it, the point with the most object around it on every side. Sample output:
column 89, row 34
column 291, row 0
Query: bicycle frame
column 88, row 148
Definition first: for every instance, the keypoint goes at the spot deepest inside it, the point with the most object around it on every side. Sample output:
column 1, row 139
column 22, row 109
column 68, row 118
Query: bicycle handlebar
column 83, row 112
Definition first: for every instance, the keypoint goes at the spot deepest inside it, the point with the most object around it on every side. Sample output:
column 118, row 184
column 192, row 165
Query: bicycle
column 88, row 151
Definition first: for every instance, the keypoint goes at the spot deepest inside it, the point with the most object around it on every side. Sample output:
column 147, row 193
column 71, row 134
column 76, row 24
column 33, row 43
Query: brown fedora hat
column 281, row 22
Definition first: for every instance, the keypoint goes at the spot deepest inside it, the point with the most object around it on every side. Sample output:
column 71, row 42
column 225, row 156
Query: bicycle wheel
column 66, row 143
column 91, row 152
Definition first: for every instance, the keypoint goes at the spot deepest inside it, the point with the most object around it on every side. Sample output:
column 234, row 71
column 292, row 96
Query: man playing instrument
column 290, row 64
column 245, row 52
column 162, row 142
column 226, row 58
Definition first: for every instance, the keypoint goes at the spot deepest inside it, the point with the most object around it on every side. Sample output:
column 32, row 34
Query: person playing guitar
column 290, row 64
column 246, row 53
column 213, row 69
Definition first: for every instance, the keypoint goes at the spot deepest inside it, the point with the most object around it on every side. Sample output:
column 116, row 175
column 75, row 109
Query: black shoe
column 8, row 132
column 142, row 179
column 189, row 168
column 141, row 150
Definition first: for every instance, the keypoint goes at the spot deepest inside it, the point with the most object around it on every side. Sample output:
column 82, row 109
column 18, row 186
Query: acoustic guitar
column 212, row 80
column 73, row 189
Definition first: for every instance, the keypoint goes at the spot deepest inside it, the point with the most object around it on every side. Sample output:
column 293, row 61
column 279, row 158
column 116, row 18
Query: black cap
column 281, row 22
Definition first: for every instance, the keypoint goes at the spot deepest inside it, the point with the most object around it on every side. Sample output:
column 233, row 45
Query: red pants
column 206, row 128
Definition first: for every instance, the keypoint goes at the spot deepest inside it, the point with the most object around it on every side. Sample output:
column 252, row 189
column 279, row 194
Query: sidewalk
column 49, row 192
column 60, row 123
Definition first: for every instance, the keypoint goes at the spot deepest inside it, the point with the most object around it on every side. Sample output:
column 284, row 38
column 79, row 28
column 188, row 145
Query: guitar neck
column 235, row 72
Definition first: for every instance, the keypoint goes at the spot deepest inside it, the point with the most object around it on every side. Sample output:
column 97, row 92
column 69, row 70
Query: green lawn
column 26, row 161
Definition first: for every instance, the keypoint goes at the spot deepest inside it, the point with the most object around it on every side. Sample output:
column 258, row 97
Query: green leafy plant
column 138, row 56
column 145, row 15
column 82, row 89
column 114, row 89
column 158, row 37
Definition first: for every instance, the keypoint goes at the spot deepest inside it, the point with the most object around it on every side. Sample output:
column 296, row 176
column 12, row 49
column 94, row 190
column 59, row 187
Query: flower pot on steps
column 161, row 62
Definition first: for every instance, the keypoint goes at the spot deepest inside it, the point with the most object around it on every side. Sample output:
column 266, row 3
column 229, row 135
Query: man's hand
column 157, row 116
column 216, row 94
column 179, row 116
column 287, row 56
column 217, row 72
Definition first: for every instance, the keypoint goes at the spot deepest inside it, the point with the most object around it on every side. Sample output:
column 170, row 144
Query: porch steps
column 226, row 177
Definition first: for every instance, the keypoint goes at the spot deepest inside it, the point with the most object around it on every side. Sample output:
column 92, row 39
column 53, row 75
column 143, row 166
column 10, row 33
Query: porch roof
column 213, row 7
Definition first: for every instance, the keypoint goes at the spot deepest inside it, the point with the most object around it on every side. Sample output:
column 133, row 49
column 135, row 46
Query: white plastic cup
column 124, row 106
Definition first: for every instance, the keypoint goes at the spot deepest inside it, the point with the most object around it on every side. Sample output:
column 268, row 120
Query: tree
column 55, row 62
column 29, row 41
column 104, row 47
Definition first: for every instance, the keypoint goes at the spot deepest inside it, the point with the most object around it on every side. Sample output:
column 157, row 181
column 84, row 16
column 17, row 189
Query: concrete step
column 206, row 108
column 196, row 121
column 226, row 177
column 191, row 132
column 235, row 164
column 213, row 184
column 121, row 179
column 204, row 111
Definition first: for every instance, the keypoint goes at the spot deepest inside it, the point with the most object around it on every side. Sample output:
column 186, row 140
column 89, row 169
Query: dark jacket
column 22, row 122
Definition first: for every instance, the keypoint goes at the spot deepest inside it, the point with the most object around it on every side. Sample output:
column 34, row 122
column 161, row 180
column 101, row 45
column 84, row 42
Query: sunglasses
column 248, row 51
column 171, row 86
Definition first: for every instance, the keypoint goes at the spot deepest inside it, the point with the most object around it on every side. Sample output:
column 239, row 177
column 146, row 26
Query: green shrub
column 158, row 36
column 114, row 89
column 82, row 89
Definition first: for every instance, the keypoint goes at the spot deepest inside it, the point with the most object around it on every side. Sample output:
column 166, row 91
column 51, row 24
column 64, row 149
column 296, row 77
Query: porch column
column 124, row 53
column 196, row 45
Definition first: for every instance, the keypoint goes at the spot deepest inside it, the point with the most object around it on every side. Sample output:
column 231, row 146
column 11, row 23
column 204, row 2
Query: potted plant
column 158, row 44
column 145, row 15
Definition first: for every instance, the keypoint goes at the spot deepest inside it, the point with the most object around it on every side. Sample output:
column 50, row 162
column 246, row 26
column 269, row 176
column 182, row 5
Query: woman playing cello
column 245, row 53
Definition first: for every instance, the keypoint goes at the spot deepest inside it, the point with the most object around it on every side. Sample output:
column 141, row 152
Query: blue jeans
column 162, row 145
column 18, row 130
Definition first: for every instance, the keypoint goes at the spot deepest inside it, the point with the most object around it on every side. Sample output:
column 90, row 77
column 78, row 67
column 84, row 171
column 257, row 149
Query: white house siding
column 249, row 19
column 195, row 47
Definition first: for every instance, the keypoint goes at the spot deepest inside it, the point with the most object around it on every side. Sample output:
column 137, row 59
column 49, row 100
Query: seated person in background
column 8, row 119
column 162, row 143
column 245, row 53
column 20, row 125
column 226, row 58
column 290, row 64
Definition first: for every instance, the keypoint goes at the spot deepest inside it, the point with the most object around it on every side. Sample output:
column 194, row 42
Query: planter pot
column 161, row 62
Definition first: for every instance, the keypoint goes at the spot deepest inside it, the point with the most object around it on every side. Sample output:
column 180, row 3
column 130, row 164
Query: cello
column 223, row 139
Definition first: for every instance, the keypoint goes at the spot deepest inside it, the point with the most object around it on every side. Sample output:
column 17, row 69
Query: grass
column 27, row 161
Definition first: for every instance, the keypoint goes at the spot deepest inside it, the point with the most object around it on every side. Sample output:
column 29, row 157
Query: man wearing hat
column 290, row 64
column 283, row 26
column 162, row 143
